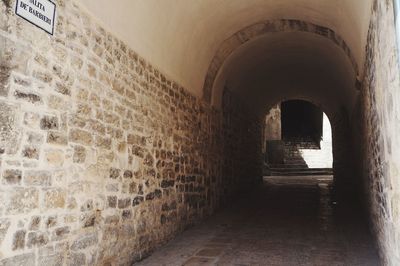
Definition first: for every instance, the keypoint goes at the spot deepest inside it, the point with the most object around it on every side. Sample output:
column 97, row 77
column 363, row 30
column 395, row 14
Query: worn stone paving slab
column 282, row 223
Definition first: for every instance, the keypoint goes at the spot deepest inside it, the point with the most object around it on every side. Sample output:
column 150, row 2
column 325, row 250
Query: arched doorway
column 297, row 140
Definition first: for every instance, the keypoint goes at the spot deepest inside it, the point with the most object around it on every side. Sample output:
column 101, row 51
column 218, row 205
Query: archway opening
column 293, row 64
column 301, row 121
column 297, row 140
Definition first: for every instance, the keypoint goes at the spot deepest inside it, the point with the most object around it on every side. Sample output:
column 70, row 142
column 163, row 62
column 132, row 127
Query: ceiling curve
column 257, row 31
column 180, row 37
column 288, row 64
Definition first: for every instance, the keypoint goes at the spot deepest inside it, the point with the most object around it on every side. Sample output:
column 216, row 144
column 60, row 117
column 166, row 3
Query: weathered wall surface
column 273, row 128
column 101, row 157
column 380, row 124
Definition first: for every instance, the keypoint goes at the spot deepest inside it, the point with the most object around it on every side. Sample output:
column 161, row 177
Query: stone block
column 88, row 219
column 31, row 152
column 76, row 121
column 51, row 221
column 71, row 203
column 63, row 89
column 133, row 188
column 54, row 198
column 128, row 174
column 128, row 229
column 137, row 200
column 5, row 71
column 41, row 60
column 84, row 110
column 112, row 201
column 104, row 143
column 167, row 183
column 37, row 239
column 22, row 200
column 126, row 214
column 58, row 138
column 23, row 81
column 114, row 173
column 37, row 178
column 43, row 76
column 97, row 126
column 76, row 63
column 76, row 259
column 13, row 57
column 51, row 260
column 31, row 119
column 9, row 131
column 35, row 138
column 112, row 219
column 49, row 123
column 153, row 195
column 114, row 187
column 148, row 160
column 20, row 260
column 124, row 203
column 57, row 103
column 92, row 71
column 30, row 97
column 35, row 223
column 111, row 119
column 81, row 137
column 12, row 177
column 61, row 233
column 87, row 206
column 84, row 241
column 4, row 225
column 79, row 154
column 19, row 240
column 55, row 158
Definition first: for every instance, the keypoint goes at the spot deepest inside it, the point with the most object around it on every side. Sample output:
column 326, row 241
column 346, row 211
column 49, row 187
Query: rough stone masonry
column 379, row 144
column 102, row 157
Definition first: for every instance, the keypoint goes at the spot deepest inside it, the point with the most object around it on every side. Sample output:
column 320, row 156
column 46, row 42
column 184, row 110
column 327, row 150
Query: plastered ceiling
column 289, row 65
column 181, row 37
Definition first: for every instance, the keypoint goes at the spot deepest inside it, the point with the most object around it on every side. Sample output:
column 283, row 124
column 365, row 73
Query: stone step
column 293, row 154
column 302, row 166
column 301, row 145
column 291, row 158
column 303, row 172
column 300, row 169
column 297, row 174
column 293, row 161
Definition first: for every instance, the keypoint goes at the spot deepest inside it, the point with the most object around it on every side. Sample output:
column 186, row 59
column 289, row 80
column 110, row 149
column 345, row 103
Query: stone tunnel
column 133, row 132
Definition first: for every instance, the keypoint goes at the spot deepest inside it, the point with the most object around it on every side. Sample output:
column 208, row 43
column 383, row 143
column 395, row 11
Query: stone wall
column 102, row 157
column 273, row 129
column 242, row 138
column 379, row 142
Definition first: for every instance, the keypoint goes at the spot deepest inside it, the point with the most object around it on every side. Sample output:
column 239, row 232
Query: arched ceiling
column 287, row 65
column 181, row 37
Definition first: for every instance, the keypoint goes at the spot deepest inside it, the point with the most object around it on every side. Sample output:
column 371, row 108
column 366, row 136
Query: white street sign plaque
column 40, row 13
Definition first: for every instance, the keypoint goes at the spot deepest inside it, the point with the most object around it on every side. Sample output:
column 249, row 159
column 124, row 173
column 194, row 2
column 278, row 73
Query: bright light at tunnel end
column 321, row 158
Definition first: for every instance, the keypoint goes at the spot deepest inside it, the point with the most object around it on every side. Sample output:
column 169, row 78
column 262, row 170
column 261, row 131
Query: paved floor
column 289, row 221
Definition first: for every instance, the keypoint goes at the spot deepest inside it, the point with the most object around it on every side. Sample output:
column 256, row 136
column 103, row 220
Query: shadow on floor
column 287, row 221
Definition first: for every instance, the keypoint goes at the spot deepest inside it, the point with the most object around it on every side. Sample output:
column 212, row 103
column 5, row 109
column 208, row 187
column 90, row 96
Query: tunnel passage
column 297, row 140
column 297, row 65
column 139, row 119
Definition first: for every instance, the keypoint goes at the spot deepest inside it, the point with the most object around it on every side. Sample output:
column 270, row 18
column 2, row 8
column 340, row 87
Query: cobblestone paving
column 288, row 221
